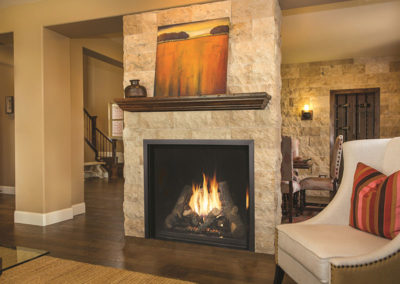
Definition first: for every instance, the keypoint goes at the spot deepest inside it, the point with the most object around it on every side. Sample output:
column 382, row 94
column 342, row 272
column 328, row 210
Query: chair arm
column 380, row 266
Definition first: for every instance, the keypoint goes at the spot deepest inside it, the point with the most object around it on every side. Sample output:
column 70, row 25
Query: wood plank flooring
column 97, row 237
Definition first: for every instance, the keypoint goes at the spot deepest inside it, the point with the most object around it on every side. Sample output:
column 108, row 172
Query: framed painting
column 192, row 59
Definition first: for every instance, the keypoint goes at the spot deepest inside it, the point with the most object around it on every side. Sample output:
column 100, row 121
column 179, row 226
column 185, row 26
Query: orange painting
column 192, row 59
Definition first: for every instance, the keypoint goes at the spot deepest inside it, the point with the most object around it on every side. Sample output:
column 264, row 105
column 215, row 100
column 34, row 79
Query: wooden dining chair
column 321, row 183
column 290, row 186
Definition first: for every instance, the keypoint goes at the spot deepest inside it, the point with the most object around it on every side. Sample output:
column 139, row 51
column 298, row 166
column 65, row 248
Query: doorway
column 355, row 114
column 7, row 133
column 102, row 77
column 96, row 57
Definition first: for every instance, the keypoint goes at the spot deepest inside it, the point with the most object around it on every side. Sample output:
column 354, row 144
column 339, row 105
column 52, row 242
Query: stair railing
column 105, row 148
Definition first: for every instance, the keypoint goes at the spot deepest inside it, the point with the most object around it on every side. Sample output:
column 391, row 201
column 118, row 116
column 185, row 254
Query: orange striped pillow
column 375, row 202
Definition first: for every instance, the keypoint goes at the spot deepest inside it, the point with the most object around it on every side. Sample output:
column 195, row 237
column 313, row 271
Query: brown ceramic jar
column 135, row 90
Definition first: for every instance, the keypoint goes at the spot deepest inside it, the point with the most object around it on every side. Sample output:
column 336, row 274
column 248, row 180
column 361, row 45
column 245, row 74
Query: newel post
column 94, row 126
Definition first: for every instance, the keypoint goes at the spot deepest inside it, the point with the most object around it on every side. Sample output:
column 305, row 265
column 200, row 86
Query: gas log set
column 207, row 208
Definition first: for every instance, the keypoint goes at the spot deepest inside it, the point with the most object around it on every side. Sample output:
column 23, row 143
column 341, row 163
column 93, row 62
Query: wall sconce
column 306, row 113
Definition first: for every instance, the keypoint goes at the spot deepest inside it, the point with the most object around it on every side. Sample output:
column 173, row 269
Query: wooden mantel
column 195, row 103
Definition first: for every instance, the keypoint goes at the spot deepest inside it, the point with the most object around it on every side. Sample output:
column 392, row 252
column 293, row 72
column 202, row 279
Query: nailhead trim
column 339, row 156
column 365, row 264
column 334, row 267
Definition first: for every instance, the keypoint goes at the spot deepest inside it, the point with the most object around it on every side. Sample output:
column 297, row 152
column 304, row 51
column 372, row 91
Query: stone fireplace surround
column 253, row 66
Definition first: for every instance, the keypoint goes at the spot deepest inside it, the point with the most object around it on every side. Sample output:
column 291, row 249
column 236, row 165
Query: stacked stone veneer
column 253, row 66
column 311, row 83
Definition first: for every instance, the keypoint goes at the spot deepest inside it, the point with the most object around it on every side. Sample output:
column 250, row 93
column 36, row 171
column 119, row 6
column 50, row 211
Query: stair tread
column 94, row 163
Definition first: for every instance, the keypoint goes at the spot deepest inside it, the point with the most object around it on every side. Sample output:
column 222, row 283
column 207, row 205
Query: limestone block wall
column 253, row 66
column 312, row 82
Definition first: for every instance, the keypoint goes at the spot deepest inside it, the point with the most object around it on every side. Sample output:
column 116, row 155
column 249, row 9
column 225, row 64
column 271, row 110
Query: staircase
column 105, row 148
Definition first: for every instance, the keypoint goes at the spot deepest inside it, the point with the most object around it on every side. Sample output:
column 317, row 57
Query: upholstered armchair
column 325, row 249
column 290, row 186
column 328, row 184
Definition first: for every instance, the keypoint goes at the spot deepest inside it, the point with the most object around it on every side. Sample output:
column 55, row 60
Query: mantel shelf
column 196, row 103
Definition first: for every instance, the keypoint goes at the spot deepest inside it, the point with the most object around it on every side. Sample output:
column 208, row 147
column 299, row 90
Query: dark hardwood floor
column 97, row 237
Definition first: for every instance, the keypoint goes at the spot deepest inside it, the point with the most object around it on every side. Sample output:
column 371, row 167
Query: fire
column 205, row 198
column 247, row 198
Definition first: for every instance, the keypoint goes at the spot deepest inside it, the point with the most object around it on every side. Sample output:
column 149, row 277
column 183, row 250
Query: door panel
column 352, row 118
column 341, row 124
column 356, row 114
column 362, row 116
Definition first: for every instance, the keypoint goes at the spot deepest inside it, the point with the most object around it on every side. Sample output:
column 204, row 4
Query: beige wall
column 90, row 155
column 27, row 22
column 104, row 83
column 57, row 121
column 29, row 119
column 312, row 82
column 7, row 152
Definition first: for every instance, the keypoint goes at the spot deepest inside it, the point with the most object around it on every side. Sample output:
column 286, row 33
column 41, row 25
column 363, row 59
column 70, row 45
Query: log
column 196, row 219
column 211, row 218
column 221, row 222
column 176, row 215
column 223, row 225
column 187, row 212
column 230, row 211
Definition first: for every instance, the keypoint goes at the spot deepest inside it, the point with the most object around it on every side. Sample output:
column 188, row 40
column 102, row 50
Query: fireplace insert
column 200, row 191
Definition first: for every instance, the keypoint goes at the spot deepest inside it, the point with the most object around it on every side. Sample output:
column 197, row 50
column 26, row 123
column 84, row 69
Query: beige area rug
column 48, row 269
column 8, row 255
column 11, row 256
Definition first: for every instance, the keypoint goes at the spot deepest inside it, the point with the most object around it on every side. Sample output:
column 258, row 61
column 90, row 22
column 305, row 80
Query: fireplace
column 200, row 191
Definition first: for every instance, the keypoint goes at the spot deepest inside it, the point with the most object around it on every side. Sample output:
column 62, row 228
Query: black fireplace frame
column 149, row 222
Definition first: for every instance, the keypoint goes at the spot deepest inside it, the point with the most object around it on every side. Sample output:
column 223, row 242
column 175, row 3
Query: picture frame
column 9, row 105
column 192, row 58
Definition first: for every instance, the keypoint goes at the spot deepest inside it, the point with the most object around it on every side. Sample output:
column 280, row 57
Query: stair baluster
column 105, row 148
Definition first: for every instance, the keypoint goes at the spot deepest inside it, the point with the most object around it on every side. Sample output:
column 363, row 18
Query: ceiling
column 312, row 30
column 92, row 28
column 8, row 3
column 340, row 31
column 292, row 4
column 285, row 4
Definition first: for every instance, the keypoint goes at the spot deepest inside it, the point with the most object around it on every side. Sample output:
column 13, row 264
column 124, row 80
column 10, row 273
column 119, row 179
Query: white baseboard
column 7, row 189
column 43, row 219
column 79, row 208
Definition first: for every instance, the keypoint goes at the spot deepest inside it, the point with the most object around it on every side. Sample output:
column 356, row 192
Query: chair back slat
column 287, row 159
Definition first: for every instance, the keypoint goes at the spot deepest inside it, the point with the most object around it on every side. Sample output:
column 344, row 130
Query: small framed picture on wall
column 9, row 105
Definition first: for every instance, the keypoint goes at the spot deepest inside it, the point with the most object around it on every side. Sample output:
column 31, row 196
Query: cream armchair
column 325, row 249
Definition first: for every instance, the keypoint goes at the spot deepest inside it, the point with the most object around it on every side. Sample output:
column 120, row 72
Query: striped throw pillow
column 375, row 202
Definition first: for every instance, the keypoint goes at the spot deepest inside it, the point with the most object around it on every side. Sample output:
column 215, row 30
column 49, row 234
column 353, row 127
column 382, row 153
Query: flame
column 247, row 198
column 206, row 198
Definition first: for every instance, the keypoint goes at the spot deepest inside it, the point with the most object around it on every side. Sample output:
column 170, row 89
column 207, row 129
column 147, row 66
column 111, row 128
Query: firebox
column 200, row 191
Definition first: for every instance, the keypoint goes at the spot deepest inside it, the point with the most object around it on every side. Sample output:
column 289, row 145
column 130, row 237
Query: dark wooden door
column 355, row 114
